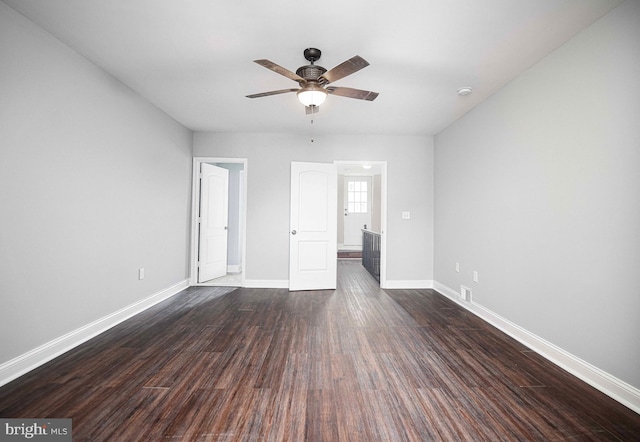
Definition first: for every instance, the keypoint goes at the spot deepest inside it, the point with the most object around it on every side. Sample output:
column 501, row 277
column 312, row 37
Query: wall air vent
column 465, row 293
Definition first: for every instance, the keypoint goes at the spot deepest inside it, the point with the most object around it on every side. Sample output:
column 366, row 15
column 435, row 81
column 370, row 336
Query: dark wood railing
column 371, row 252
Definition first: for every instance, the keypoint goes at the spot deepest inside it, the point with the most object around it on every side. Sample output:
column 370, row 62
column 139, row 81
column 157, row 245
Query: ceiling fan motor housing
column 311, row 72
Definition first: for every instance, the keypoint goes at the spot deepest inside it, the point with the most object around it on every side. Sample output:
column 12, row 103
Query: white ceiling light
column 312, row 95
column 464, row 91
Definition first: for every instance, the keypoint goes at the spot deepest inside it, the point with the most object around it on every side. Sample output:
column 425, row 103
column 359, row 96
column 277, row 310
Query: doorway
column 351, row 216
column 234, row 267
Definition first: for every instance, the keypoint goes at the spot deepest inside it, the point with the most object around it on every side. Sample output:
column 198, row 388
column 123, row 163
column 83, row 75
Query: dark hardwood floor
column 349, row 254
column 355, row 364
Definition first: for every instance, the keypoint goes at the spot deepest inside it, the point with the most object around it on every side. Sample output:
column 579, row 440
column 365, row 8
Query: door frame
column 195, row 207
column 383, row 211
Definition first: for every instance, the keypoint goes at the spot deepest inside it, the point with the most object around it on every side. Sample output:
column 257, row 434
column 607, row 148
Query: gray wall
column 538, row 189
column 376, row 205
column 94, row 184
column 340, row 221
column 410, row 187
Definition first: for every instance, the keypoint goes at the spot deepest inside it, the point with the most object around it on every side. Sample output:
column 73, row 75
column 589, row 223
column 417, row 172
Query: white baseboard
column 409, row 284
column 234, row 268
column 266, row 283
column 613, row 387
column 26, row 362
column 350, row 248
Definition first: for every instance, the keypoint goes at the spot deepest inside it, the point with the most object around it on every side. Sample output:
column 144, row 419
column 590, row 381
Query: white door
column 357, row 209
column 214, row 207
column 313, row 234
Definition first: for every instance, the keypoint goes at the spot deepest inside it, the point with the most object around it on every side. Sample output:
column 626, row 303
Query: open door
column 357, row 209
column 214, row 207
column 313, row 235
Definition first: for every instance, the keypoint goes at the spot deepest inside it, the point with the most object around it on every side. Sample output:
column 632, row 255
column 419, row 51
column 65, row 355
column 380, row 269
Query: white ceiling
column 193, row 58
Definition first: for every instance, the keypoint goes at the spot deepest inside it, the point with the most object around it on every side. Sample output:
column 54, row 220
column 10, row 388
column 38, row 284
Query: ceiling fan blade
column 349, row 92
column 310, row 110
column 266, row 94
column 279, row 70
column 354, row 64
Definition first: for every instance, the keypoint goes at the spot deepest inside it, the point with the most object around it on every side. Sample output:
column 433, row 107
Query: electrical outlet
column 406, row 215
column 140, row 274
column 458, row 267
column 475, row 276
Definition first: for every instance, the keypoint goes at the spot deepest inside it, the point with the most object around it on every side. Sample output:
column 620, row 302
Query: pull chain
column 314, row 110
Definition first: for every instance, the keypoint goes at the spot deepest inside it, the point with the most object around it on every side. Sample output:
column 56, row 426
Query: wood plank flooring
column 354, row 364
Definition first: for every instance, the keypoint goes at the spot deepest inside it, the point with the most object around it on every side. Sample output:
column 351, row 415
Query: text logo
column 41, row 430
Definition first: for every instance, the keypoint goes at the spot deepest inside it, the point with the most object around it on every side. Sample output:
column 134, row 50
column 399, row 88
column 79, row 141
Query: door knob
column 293, row 232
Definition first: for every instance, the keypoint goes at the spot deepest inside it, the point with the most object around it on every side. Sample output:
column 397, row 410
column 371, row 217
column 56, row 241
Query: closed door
column 214, row 208
column 313, row 226
column 357, row 209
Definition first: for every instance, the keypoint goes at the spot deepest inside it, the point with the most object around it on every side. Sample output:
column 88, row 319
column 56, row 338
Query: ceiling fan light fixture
column 312, row 95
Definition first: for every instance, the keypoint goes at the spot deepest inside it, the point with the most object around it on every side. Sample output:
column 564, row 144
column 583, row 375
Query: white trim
column 266, row 283
column 234, row 268
column 195, row 205
column 32, row 359
column 613, row 387
column 343, row 248
column 409, row 284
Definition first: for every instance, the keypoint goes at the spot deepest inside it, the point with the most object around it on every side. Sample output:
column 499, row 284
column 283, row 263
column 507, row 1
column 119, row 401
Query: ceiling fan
column 313, row 80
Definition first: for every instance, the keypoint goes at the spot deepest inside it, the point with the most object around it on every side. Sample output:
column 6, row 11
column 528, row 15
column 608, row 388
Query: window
column 357, row 197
